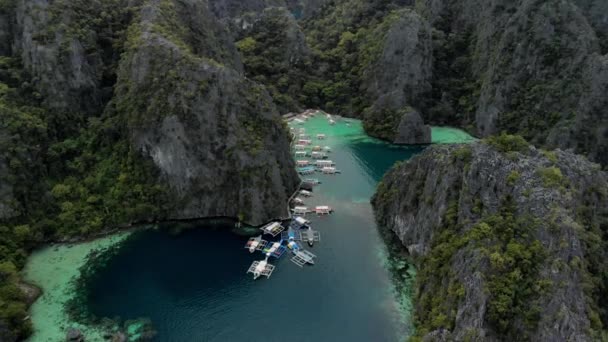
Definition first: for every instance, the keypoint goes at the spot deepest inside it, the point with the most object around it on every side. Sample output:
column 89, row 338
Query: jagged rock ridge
column 507, row 238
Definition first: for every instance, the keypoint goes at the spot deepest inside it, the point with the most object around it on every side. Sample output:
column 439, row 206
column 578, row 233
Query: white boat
column 305, row 193
column 273, row 228
column 330, row 170
column 261, row 268
column 255, row 243
column 300, row 210
column 318, row 155
column 322, row 163
column 323, row 210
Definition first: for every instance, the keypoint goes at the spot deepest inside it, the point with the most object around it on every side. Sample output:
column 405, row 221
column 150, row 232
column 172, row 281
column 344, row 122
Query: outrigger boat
column 261, row 268
column 255, row 244
column 300, row 210
column 274, row 228
column 323, row 210
column 307, row 170
column 310, row 236
column 312, row 181
column 305, row 193
column 275, row 249
column 330, row 170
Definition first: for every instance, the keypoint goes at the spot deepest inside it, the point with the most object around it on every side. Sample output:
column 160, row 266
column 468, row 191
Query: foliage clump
column 513, row 255
column 506, row 143
column 552, row 177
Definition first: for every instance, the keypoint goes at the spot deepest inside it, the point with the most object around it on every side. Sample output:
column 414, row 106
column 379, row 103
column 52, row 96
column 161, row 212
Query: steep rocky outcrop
column 239, row 14
column 509, row 241
column 67, row 48
column 529, row 67
column 402, row 73
column 412, row 130
column 275, row 54
column 216, row 137
column 398, row 79
column 6, row 192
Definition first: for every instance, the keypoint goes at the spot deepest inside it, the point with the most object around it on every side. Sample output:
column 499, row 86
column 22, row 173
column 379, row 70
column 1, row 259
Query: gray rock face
column 294, row 49
column 215, row 136
column 597, row 13
column 64, row 73
column 469, row 184
column 240, row 12
column 412, row 130
column 6, row 192
column 5, row 33
column 398, row 80
column 402, row 73
column 531, row 67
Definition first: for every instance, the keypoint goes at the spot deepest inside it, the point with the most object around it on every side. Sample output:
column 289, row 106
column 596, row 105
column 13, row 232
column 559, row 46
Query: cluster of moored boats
column 296, row 231
column 311, row 156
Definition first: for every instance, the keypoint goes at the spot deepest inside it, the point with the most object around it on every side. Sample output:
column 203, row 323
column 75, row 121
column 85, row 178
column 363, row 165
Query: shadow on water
column 377, row 157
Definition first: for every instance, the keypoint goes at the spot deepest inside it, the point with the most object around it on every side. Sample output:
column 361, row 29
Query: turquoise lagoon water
column 193, row 286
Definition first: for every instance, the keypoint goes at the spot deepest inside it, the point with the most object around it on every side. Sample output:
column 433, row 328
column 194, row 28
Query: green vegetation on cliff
column 66, row 181
column 70, row 175
column 274, row 54
column 508, row 241
column 347, row 39
column 514, row 257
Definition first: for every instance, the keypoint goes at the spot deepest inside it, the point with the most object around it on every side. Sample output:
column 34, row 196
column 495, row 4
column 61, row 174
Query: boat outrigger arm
column 256, row 244
column 261, row 268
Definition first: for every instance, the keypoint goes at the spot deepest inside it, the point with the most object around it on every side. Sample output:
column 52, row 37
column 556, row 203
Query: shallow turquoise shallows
column 193, row 286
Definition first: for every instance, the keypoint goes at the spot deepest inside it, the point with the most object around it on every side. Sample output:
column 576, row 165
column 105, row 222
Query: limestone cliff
column 67, row 47
column 509, row 241
column 115, row 112
column 399, row 78
column 530, row 67
column 272, row 46
column 216, row 137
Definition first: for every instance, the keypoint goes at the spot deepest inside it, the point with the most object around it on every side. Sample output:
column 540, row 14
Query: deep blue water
column 193, row 285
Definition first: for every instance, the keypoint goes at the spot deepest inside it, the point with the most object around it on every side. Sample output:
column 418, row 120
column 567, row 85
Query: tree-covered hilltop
column 535, row 68
column 117, row 112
